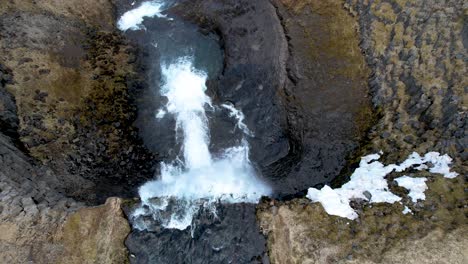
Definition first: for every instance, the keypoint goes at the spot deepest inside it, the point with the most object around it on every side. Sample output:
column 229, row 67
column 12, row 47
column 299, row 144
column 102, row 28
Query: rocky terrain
column 71, row 78
column 321, row 84
column 417, row 53
column 65, row 78
column 309, row 102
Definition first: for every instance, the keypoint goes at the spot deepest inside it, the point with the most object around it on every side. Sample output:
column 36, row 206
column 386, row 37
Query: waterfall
column 198, row 179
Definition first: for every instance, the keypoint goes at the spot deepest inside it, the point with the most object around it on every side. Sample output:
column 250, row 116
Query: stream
column 202, row 201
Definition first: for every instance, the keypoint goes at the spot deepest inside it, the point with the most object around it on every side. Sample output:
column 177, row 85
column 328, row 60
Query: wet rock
column 232, row 237
column 296, row 110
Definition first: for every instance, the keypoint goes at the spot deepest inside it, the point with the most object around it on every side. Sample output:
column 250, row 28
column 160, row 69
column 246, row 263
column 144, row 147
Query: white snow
column 370, row 177
column 406, row 210
column 416, row 187
column 440, row 164
column 334, row 201
column 132, row 19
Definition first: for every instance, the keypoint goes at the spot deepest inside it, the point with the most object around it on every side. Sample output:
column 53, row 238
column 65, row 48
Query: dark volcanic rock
column 233, row 237
column 254, row 72
column 418, row 54
column 71, row 83
column 9, row 121
column 301, row 84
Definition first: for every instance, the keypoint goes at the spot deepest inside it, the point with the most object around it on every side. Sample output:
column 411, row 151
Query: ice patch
column 370, row 177
column 132, row 19
column 416, row 187
column 440, row 164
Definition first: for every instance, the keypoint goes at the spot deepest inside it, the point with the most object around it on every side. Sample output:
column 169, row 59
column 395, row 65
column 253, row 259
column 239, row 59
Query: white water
column 198, row 180
column 233, row 112
column 132, row 19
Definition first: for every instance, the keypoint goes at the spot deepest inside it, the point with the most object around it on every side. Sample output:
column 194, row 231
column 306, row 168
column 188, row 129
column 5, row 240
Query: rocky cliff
column 321, row 83
column 65, row 80
column 417, row 52
column 71, row 76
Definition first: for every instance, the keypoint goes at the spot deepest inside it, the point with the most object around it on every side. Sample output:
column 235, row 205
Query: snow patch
column 370, row 178
column 416, row 187
column 406, row 210
column 161, row 113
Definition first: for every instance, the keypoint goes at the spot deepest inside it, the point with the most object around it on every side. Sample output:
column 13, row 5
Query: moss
column 380, row 36
column 336, row 42
column 379, row 228
column 96, row 235
column 401, row 3
column 128, row 204
column 384, row 10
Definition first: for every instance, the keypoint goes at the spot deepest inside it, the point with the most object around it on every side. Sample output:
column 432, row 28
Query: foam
column 132, row 19
column 199, row 180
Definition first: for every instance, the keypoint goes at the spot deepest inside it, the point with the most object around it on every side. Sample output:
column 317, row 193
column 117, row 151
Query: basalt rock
column 9, row 121
column 300, row 80
column 65, row 82
column 230, row 236
column 32, row 208
column 416, row 53
column 96, row 235
column 70, row 82
column 39, row 224
column 301, row 232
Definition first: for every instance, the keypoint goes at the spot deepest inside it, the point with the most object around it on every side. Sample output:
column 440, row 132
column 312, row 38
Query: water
column 197, row 179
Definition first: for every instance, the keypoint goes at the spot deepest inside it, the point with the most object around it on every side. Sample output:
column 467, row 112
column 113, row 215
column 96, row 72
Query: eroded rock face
column 96, row 235
column 301, row 232
column 305, row 101
column 328, row 104
column 65, row 112
column 33, row 211
column 32, row 208
column 416, row 53
column 71, row 78
column 8, row 119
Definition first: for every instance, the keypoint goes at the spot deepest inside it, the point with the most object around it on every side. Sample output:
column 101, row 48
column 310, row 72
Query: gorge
column 233, row 131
